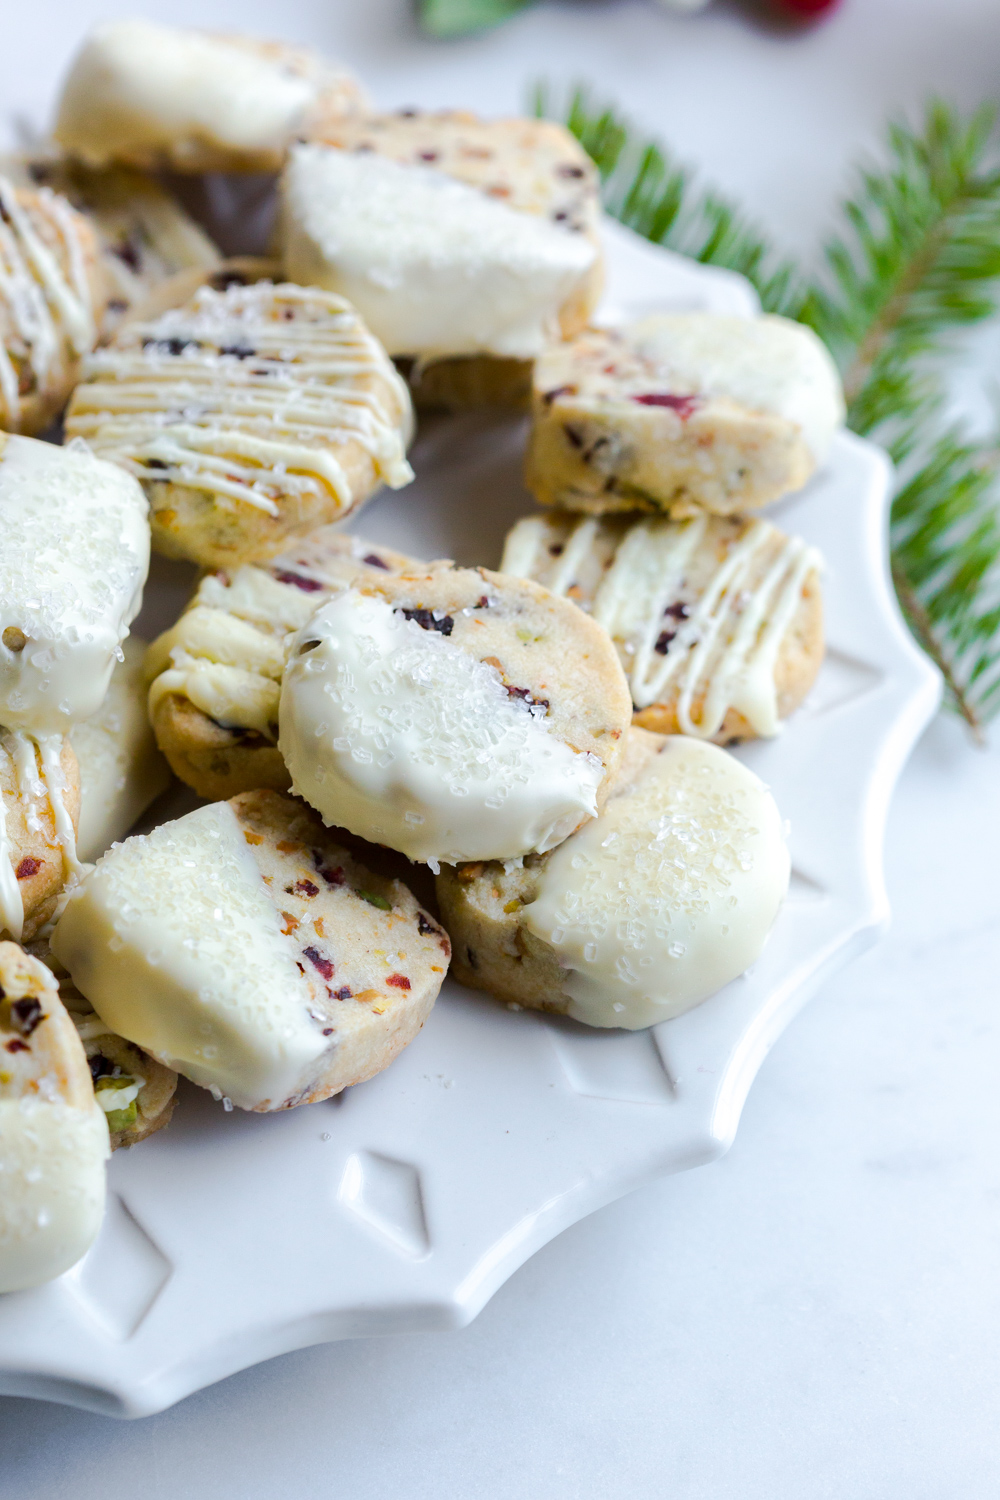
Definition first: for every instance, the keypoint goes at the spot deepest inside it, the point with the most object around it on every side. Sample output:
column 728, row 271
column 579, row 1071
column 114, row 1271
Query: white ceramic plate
column 406, row 1202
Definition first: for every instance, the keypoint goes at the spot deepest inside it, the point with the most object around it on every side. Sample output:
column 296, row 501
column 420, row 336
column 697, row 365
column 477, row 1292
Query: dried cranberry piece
column 323, row 965
column 684, row 406
column 375, row 562
column 25, row 1015
column 170, row 346
column 400, row 981
column 525, row 696
column 307, row 585
column 426, row 619
column 332, row 874
column 28, row 867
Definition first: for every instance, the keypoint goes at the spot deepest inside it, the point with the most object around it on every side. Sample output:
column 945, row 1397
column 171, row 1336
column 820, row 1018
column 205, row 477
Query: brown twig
column 881, row 330
column 923, row 629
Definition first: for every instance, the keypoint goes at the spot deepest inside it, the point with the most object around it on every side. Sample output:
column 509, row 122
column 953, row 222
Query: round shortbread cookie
column 718, row 620
column 39, row 814
column 465, row 243
column 532, row 166
column 191, row 101
column 52, row 298
column 250, row 414
column 215, row 676
column 143, row 233
column 453, row 713
column 73, row 564
column 53, row 1135
column 681, row 412
column 244, row 947
column 644, row 913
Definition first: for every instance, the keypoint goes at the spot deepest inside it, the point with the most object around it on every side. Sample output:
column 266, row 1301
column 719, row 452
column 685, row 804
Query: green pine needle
column 452, row 18
column 917, row 259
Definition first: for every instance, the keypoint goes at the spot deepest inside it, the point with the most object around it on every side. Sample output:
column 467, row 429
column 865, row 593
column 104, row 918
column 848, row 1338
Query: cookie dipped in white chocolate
column 434, row 266
column 53, row 1134
column 396, row 733
column 154, row 95
column 667, row 896
column 764, row 364
column 73, row 562
column 176, row 943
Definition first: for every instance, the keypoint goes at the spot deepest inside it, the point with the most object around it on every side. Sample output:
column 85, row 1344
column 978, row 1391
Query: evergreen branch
column 918, row 259
column 646, row 189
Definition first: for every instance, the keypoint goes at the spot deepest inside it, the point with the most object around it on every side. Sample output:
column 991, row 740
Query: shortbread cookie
column 74, row 553
column 135, row 1092
column 646, row 911
column 249, row 414
column 453, row 713
column 156, row 96
column 39, row 812
column 121, row 769
column 244, row 947
column 52, row 299
column 143, row 233
column 53, row 1135
column 215, row 676
column 718, row 621
column 681, row 412
column 453, row 236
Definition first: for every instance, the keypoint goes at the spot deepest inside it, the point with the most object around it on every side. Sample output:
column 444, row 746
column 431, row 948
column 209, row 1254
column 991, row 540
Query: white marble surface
column 818, row 1314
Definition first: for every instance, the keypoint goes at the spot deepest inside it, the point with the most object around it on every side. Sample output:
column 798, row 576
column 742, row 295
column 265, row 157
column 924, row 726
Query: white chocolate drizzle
column 722, row 651
column 45, row 306
column 247, row 394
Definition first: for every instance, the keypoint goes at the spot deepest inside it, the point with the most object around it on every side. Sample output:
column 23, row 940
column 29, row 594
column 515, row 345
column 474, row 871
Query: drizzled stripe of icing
column 34, row 780
column 45, row 306
column 722, row 653
column 247, row 394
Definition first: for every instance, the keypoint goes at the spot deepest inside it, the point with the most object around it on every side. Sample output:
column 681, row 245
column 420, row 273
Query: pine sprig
column 660, row 199
column 917, row 260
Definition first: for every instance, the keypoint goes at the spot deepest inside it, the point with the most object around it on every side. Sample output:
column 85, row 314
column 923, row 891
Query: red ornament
column 804, row 10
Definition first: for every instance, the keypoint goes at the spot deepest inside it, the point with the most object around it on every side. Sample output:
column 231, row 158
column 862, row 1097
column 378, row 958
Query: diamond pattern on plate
column 620, row 1065
column 803, row 890
column 387, row 1196
column 122, row 1273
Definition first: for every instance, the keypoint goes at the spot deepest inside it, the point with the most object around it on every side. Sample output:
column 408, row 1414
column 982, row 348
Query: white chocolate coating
column 722, row 654
column 73, row 564
column 231, row 396
column 434, row 266
column 121, row 770
column 175, row 942
column 404, row 738
column 52, row 1188
column 765, row 364
column 140, row 89
column 669, row 894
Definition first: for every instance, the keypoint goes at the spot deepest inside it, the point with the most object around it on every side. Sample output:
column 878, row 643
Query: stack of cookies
column 546, row 740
